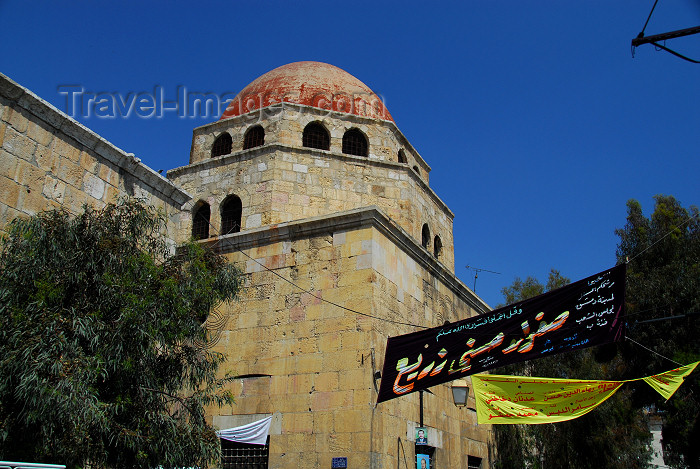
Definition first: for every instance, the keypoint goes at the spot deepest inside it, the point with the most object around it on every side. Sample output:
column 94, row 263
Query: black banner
column 583, row 314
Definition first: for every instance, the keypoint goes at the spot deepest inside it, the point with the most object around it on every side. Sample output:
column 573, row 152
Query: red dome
column 312, row 84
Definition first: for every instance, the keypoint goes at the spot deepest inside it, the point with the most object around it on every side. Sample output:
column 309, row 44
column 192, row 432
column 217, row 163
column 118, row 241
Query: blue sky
column 537, row 121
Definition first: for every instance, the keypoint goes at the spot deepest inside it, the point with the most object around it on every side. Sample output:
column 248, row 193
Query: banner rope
column 652, row 351
column 685, row 222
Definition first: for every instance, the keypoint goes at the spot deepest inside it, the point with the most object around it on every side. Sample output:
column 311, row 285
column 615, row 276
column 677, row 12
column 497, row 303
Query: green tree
column 104, row 359
column 614, row 435
column 663, row 284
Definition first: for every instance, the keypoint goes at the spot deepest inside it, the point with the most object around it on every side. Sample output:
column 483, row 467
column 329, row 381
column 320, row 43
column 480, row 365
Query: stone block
column 93, row 186
column 354, row 378
column 331, row 400
column 90, row 164
column 341, row 360
column 46, row 159
column 329, row 342
column 361, row 441
column 9, row 192
column 326, row 381
column 18, row 121
column 111, row 194
column 18, row 144
column 70, row 172
column 31, row 201
column 359, row 277
column 351, row 421
column 365, row 396
column 278, row 385
column 300, row 383
column 40, row 133
column 54, row 189
column 341, row 323
column 354, row 340
column 323, row 424
column 8, row 165
column 67, row 148
column 109, row 174
column 337, row 444
column 74, row 199
column 309, row 363
column 296, row 423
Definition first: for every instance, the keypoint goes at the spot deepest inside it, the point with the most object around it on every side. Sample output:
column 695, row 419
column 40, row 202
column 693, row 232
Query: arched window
column 254, row 137
column 437, row 247
column 426, row 236
column 355, row 143
column 231, row 211
column 402, row 157
column 200, row 221
column 415, row 168
column 222, row 145
column 316, row 136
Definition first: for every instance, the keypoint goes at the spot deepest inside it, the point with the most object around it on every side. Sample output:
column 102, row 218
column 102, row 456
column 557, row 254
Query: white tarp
column 253, row 433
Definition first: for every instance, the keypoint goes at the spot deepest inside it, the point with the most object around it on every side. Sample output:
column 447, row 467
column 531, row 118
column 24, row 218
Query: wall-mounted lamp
column 460, row 392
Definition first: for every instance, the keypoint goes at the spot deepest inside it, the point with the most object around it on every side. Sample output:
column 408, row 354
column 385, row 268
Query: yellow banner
column 522, row 399
column 667, row 383
column 519, row 399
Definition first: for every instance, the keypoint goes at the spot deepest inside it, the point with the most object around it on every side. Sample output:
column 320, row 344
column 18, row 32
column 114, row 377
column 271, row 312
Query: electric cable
column 328, row 301
column 686, row 221
column 641, row 34
column 652, row 351
column 237, row 248
column 671, row 51
column 404, row 455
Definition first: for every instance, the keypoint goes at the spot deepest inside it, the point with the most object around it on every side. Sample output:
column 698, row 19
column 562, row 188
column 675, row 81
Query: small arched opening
column 254, row 137
column 437, row 247
column 316, row 136
column 402, row 157
column 355, row 143
column 222, row 145
column 200, row 221
column 425, row 241
column 231, row 211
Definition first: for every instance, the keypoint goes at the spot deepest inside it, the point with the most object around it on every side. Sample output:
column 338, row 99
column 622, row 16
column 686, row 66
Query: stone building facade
column 307, row 184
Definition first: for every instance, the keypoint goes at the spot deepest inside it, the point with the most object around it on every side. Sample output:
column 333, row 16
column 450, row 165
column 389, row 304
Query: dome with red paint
column 315, row 84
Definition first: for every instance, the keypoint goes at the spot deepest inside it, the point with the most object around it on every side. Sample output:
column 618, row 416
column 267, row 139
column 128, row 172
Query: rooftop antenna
column 656, row 38
column 476, row 274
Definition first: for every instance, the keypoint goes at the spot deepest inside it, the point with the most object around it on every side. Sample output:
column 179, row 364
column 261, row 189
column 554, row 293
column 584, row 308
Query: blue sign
column 340, row 462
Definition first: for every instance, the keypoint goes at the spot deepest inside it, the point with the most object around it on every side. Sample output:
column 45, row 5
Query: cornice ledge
column 371, row 216
column 268, row 148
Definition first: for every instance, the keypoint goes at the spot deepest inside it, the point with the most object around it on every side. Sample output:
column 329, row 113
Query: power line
column 678, row 316
column 668, row 233
column 641, row 34
column 238, row 249
column 652, row 351
column 324, row 300
column 641, row 39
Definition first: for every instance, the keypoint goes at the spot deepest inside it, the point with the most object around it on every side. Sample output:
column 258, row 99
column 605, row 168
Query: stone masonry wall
column 279, row 182
column 317, row 355
column 48, row 161
column 284, row 124
column 321, row 358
